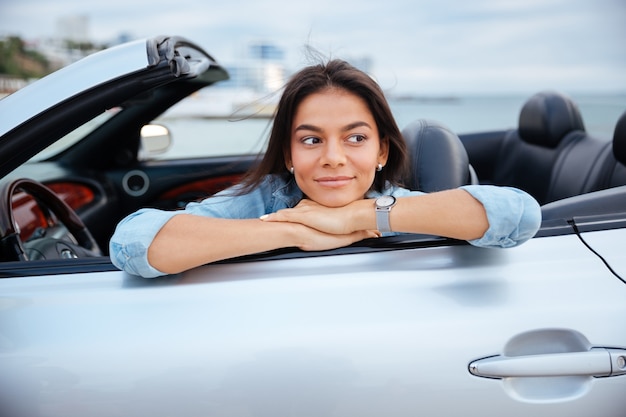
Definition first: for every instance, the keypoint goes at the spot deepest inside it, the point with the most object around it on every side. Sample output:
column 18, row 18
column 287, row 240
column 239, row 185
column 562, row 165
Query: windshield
column 75, row 136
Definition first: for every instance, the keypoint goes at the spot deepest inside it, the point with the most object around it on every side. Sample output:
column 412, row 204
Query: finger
column 371, row 234
column 364, row 234
column 279, row 216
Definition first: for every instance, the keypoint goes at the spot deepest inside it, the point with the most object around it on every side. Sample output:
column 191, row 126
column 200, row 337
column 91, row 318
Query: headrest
column 438, row 158
column 547, row 117
column 619, row 139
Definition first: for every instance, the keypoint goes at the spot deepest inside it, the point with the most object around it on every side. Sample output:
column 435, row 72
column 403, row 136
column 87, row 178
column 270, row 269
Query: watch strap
column 382, row 219
column 383, row 207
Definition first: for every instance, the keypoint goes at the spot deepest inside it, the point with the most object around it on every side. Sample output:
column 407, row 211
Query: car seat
column 438, row 159
column 614, row 165
column 609, row 175
column 549, row 124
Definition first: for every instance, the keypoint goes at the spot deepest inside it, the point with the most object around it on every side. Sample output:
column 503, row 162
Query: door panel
column 172, row 184
column 390, row 333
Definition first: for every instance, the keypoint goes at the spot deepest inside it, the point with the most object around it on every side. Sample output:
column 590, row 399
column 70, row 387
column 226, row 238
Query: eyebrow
column 346, row 128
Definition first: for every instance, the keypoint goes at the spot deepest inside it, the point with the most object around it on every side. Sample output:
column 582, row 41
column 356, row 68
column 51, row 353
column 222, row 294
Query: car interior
column 549, row 154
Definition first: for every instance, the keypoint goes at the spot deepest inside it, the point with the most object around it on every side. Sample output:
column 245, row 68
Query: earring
column 291, row 170
column 379, row 167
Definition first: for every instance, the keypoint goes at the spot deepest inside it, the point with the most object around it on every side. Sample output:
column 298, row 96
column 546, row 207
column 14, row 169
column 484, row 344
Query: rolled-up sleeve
column 128, row 247
column 514, row 216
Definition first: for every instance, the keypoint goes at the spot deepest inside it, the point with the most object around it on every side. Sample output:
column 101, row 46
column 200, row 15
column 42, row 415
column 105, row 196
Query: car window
column 217, row 121
column 193, row 137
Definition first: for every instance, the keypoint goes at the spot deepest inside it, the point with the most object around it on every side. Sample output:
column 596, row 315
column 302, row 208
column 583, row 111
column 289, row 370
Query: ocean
column 198, row 136
column 470, row 114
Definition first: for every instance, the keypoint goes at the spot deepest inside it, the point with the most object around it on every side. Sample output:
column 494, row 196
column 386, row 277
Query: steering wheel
column 72, row 241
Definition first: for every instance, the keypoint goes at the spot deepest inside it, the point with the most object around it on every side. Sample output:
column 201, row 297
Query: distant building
column 262, row 70
column 10, row 85
column 74, row 28
column 251, row 90
column 70, row 42
column 266, row 52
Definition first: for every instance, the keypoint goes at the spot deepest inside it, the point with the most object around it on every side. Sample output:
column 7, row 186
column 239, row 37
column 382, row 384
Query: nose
column 334, row 154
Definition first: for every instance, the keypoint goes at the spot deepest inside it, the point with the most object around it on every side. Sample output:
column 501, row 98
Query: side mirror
column 155, row 140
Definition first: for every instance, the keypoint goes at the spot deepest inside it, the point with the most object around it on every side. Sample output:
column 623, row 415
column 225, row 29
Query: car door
column 398, row 332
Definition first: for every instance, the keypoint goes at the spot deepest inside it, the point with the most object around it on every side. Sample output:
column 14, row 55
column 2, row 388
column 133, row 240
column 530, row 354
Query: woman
column 333, row 152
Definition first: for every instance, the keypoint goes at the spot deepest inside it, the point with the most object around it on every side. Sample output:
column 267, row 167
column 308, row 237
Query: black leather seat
column 614, row 166
column 549, row 125
column 609, row 181
column 591, row 165
column 580, row 169
column 438, row 159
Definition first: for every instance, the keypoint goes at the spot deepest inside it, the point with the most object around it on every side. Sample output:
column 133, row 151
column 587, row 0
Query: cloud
column 434, row 46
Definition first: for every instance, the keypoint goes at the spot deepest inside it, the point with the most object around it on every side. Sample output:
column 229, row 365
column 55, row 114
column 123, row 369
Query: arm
column 486, row 216
column 152, row 242
column 452, row 213
column 187, row 240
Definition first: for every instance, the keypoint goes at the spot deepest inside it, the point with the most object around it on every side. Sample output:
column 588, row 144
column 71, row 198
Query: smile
column 334, row 182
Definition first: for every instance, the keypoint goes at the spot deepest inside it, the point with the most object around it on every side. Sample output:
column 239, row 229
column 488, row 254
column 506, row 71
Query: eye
column 356, row 138
column 310, row 140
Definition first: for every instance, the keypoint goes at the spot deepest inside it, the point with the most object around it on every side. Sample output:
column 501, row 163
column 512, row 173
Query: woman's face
column 335, row 147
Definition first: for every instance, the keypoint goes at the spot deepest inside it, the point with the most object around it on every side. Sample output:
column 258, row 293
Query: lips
column 334, row 182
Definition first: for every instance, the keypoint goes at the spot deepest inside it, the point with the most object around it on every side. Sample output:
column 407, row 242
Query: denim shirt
column 513, row 215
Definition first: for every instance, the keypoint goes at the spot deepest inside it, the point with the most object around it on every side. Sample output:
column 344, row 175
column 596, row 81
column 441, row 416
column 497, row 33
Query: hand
column 332, row 220
column 313, row 240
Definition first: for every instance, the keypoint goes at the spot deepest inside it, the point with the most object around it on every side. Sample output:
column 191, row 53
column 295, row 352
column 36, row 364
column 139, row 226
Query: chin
column 334, row 197
column 335, row 202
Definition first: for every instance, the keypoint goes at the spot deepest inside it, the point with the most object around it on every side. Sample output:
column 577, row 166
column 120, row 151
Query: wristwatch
column 383, row 206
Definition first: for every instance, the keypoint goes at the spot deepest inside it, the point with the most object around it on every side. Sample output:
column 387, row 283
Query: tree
column 17, row 61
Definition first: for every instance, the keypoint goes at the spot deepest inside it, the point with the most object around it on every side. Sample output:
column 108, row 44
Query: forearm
column 187, row 241
column 451, row 213
column 486, row 216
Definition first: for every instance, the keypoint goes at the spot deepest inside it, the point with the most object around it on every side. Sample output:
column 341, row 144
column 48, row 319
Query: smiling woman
column 335, row 148
column 349, row 331
column 334, row 154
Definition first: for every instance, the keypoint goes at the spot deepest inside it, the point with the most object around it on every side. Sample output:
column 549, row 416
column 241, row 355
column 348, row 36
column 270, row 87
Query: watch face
column 385, row 201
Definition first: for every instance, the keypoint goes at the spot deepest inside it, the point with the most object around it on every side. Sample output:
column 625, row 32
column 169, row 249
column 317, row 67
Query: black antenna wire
column 572, row 222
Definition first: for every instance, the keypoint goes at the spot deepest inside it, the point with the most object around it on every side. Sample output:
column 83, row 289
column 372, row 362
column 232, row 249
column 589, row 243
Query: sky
column 422, row 47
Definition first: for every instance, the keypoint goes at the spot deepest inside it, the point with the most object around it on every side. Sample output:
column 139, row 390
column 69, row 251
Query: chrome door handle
column 597, row 362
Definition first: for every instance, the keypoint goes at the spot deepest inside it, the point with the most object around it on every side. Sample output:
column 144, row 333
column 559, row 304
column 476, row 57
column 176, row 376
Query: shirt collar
column 287, row 191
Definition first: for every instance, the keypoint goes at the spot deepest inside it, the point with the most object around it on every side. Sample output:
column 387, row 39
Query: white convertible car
column 401, row 326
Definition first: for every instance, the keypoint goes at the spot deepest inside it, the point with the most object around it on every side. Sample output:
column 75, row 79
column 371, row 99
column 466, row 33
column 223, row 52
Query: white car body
column 430, row 327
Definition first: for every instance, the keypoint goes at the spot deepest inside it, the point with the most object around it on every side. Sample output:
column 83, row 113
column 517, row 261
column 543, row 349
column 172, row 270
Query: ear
column 383, row 152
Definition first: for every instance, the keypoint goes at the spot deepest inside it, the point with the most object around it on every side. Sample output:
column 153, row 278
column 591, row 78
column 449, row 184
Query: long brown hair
column 315, row 78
